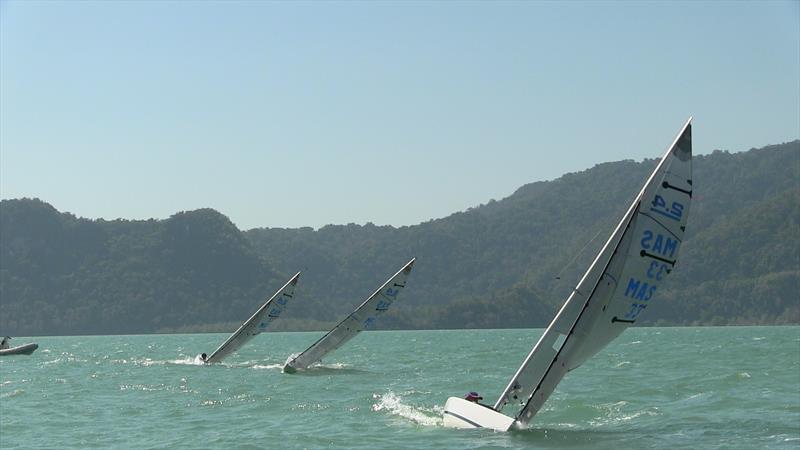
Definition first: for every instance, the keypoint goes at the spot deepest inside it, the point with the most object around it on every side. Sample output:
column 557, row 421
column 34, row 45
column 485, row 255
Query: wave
column 329, row 369
column 182, row 387
column 11, row 394
column 615, row 413
column 185, row 361
column 267, row 366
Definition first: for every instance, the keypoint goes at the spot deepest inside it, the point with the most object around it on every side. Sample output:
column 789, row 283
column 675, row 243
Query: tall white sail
column 616, row 288
column 362, row 318
column 258, row 322
column 619, row 284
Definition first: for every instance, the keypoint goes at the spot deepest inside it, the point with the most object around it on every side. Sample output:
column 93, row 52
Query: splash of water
column 393, row 404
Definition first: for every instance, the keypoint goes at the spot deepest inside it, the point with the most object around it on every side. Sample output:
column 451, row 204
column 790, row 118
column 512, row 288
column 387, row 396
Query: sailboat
column 258, row 322
column 611, row 295
column 362, row 318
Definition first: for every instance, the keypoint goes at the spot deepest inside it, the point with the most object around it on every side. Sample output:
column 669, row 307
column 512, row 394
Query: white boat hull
column 460, row 413
column 25, row 349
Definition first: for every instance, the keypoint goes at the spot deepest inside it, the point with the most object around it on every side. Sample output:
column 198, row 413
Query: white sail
column 258, row 322
column 619, row 284
column 362, row 318
column 616, row 288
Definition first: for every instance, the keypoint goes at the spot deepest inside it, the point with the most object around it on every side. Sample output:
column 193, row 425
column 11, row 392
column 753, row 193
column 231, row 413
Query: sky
column 291, row 114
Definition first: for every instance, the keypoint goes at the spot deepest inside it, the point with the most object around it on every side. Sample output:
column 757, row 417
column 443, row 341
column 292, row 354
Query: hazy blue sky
column 305, row 114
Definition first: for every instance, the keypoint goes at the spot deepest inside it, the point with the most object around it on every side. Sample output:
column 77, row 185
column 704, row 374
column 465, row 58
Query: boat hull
column 460, row 413
column 25, row 349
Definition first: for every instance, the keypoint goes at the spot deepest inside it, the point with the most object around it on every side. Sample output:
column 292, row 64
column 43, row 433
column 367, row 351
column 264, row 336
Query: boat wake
column 187, row 361
column 620, row 412
column 393, row 404
column 268, row 366
column 320, row 368
column 332, row 366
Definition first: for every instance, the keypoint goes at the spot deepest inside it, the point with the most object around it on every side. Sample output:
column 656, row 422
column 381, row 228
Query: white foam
column 615, row 414
column 291, row 357
column 268, row 366
column 13, row 393
column 189, row 361
column 332, row 366
column 393, row 404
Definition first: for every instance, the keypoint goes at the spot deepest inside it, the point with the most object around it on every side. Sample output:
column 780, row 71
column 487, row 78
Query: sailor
column 473, row 397
column 4, row 344
column 204, row 357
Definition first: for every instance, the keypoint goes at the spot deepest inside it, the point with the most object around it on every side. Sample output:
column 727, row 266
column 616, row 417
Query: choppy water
column 652, row 388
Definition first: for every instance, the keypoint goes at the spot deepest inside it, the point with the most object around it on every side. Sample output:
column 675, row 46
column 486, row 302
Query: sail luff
column 236, row 340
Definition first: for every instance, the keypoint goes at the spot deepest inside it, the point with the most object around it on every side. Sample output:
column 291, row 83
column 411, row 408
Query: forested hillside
column 508, row 263
column 63, row 275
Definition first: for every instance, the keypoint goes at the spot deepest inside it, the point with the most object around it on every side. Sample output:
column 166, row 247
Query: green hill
column 508, row 263
column 62, row 275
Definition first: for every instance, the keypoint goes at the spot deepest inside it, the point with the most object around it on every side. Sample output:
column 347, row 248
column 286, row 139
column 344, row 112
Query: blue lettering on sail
column 659, row 206
column 642, row 292
column 663, row 245
column 658, row 244
column 636, row 308
column 633, row 287
column 671, row 245
column 657, row 270
column 391, row 292
column 383, row 305
column 647, row 236
column 639, row 290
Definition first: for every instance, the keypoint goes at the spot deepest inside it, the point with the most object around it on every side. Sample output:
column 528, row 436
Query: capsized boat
column 24, row 349
column 609, row 298
column 362, row 318
column 259, row 322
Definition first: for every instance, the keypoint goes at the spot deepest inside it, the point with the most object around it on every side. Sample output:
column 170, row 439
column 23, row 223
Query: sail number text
column 383, row 304
column 662, row 249
column 674, row 211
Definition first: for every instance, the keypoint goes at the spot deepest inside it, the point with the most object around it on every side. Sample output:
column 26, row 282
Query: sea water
column 735, row 387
